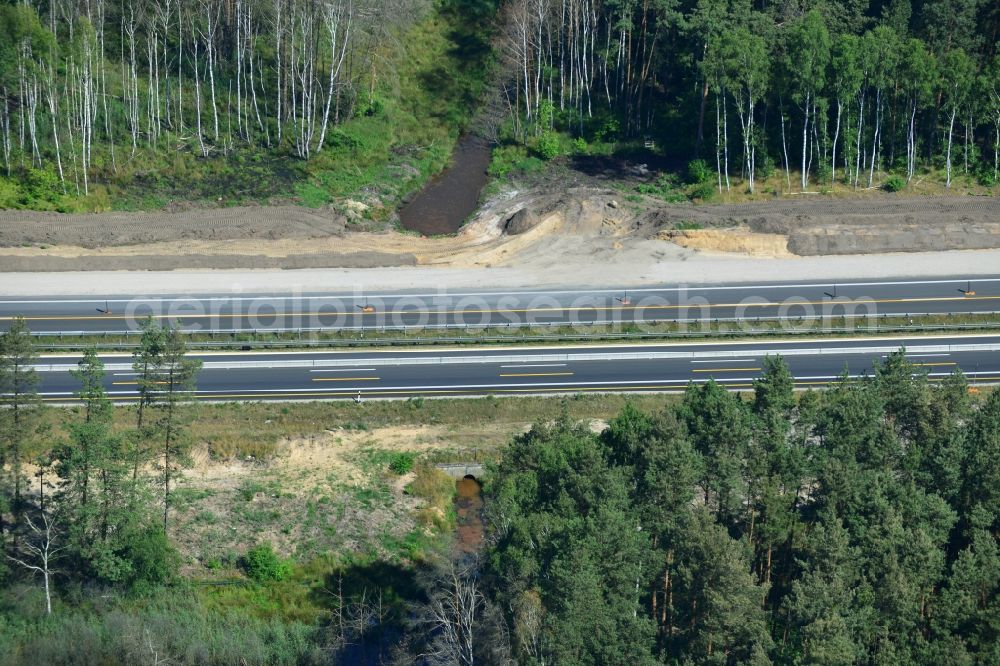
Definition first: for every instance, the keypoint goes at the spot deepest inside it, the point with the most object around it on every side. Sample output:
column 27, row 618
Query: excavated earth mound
column 19, row 228
column 825, row 226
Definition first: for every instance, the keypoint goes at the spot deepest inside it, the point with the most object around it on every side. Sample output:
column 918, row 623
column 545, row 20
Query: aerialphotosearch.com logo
column 643, row 311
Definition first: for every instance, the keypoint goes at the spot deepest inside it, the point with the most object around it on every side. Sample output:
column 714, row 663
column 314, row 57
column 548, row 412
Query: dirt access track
column 580, row 226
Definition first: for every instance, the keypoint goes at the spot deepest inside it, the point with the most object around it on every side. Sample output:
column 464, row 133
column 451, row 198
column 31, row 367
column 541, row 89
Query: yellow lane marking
column 580, row 308
column 535, row 374
column 330, row 394
column 344, row 379
column 137, row 383
column 724, row 369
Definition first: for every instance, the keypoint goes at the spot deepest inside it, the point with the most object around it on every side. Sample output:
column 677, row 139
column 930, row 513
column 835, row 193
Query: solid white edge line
column 729, row 360
column 640, row 354
column 619, row 290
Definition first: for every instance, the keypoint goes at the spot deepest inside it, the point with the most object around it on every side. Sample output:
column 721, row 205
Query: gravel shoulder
column 680, row 267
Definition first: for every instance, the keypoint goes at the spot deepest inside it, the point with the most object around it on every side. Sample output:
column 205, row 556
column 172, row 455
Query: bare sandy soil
column 574, row 237
column 319, row 493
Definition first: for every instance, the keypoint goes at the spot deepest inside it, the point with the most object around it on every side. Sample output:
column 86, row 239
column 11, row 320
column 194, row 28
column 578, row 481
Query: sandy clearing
column 314, row 458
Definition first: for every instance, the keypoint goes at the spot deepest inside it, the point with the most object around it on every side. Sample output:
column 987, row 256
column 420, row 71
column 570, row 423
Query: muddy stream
column 469, row 511
column 445, row 203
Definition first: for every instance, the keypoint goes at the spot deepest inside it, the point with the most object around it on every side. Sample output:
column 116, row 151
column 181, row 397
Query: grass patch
column 437, row 489
column 184, row 497
column 251, row 488
column 415, row 546
column 512, row 160
column 432, row 485
column 396, row 462
column 687, row 226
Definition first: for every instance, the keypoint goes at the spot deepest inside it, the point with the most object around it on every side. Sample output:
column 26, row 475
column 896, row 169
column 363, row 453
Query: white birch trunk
column 951, row 129
column 833, row 151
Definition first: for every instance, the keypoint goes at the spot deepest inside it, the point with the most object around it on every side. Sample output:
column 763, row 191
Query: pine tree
column 175, row 376
column 19, row 407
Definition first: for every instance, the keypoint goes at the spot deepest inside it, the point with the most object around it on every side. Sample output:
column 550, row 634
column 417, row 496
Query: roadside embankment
column 539, row 238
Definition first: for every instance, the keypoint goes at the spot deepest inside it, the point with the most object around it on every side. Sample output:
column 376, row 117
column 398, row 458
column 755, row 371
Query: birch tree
column 958, row 75
column 918, row 74
column 882, row 47
column 451, row 616
column 748, row 63
column 38, row 551
column 337, row 17
column 806, row 60
column 846, row 77
column 991, row 84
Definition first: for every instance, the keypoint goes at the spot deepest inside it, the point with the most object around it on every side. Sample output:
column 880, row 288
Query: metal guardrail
column 519, row 325
column 265, row 342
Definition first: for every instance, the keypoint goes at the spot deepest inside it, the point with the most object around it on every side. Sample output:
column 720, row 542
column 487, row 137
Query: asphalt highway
column 395, row 374
column 331, row 310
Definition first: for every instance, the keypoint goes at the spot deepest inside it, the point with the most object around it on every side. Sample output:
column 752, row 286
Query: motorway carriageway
column 394, row 374
column 329, row 311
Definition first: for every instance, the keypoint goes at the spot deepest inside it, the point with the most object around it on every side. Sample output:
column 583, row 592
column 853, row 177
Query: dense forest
column 97, row 94
column 104, row 93
column 837, row 89
column 854, row 525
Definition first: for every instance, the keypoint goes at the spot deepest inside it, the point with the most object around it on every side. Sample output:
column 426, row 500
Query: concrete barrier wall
column 461, row 470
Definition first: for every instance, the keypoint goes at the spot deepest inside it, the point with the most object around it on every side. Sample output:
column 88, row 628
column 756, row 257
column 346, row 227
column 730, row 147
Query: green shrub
column 262, row 564
column 503, row 159
column 766, row 166
column 703, row 192
column 10, row 193
column 401, row 463
column 368, row 105
column 894, row 184
column 547, row 145
column 508, row 160
column 663, row 188
column 580, row 146
column 608, row 130
column 698, row 172
column 824, row 173
column 152, row 557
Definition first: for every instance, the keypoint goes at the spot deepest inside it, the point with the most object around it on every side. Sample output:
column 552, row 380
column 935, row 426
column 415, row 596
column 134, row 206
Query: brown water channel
column 469, row 512
column 445, row 203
